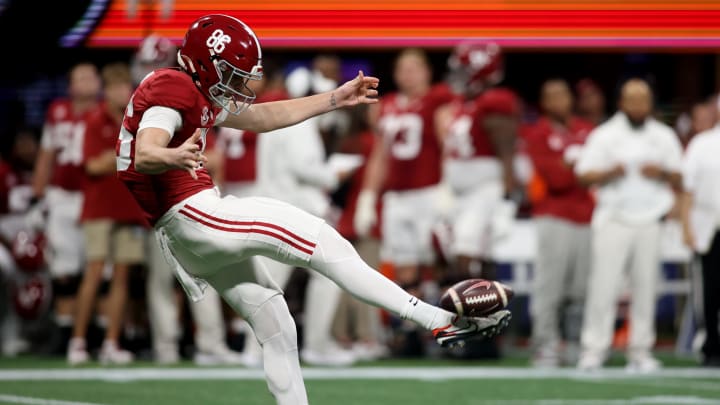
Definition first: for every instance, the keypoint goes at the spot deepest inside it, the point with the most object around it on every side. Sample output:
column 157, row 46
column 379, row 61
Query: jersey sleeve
column 166, row 90
column 46, row 139
column 500, row 101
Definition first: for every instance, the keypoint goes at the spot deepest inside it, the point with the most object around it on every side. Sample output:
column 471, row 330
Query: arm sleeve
column 549, row 166
column 593, row 156
column 673, row 154
column 307, row 161
column 689, row 167
column 161, row 117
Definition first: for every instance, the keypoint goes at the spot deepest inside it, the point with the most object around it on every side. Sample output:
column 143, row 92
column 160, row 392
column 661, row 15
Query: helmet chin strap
column 188, row 66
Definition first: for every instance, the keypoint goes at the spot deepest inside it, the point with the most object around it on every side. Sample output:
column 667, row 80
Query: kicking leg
column 267, row 313
column 336, row 258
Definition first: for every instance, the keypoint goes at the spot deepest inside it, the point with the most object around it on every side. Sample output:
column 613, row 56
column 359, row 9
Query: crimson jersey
column 63, row 133
column 407, row 128
column 105, row 196
column 547, row 145
column 467, row 139
column 174, row 89
column 240, row 147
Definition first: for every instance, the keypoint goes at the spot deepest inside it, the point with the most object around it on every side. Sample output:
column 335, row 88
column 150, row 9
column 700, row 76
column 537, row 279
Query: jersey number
column 70, row 141
column 459, row 143
column 404, row 134
column 233, row 143
column 217, row 40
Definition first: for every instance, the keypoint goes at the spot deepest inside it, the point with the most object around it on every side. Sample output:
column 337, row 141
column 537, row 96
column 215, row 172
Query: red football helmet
column 474, row 66
column 221, row 54
column 154, row 52
column 32, row 295
column 28, row 251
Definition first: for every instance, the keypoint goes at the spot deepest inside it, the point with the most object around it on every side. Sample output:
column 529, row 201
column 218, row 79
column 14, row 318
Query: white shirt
column 291, row 167
column 632, row 199
column 701, row 178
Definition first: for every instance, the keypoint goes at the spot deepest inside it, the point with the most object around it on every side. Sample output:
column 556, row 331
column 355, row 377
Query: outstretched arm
column 266, row 117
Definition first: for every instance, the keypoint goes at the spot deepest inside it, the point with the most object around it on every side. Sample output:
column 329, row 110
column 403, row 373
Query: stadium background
column 673, row 44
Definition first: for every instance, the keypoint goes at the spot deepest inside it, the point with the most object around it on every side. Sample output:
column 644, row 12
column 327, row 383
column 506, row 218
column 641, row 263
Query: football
column 476, row 297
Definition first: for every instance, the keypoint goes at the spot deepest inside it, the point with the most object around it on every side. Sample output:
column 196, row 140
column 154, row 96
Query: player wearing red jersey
column 479, row 132
column 112, row 222
column 562, row 219
column 405, row 166
column 239, row 148
column 58, row 179
column 211, row 239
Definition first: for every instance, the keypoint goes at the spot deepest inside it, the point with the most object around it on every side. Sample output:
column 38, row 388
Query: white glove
column 365, row 214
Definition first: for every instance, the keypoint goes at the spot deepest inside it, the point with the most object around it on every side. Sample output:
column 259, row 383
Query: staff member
column 634, row 161
column 701, row 222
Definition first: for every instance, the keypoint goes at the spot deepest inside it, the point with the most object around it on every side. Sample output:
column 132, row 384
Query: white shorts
column 65, row 239
column 207, row 233
column 408, row 218
column 472, row 220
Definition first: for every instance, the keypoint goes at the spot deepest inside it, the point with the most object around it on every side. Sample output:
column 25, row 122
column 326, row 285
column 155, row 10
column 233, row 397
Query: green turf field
column 50, row 382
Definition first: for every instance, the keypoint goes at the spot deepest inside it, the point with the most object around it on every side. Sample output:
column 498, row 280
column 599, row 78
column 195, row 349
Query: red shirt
column 408, row 129
column 467, row 138
column 361, row 144
column 174, row 89
column 566, row 198
column 63, row 133
column 8, row 180
column 240, row 147
column 105, row 195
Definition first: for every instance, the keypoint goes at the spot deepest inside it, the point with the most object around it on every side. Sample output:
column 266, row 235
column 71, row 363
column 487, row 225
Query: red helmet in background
column 154, row 52
column 32, row 295
column 221, row 54
column 474, row 66
column 28, row 251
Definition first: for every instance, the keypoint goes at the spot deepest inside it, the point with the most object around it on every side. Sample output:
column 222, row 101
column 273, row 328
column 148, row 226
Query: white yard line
column 359, row 373
column 17, row 399
column 655, row 400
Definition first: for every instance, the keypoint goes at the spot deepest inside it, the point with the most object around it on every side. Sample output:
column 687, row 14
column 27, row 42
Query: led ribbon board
column 680, row 25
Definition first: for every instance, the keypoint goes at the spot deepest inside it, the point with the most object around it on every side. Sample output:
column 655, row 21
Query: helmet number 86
column 217, row 41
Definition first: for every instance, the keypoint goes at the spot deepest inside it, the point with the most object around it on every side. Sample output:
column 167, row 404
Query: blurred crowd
column 425, row 184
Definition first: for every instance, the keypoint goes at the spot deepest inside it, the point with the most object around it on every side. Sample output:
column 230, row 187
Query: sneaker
column 221, row 355
column 330, row 356
column 111, row 353
column 643, row 364
column 76, row 352
column 590, row 362
column 370, row 351
column 467, row 328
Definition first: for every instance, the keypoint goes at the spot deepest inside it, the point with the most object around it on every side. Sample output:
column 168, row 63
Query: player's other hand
column 188, row 155
column 360, row 90
column 365, row 214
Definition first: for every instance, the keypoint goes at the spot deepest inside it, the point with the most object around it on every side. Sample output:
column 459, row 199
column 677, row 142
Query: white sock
column 337, row 259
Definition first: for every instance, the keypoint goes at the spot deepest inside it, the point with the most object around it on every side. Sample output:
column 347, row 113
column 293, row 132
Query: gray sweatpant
column 559, row 281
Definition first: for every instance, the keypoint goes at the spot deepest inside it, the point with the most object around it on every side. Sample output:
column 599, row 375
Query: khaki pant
column 118, row 243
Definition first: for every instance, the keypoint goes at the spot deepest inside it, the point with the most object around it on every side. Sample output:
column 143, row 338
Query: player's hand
column 360, row 90
column 188, row 155
column 614, row 173
column 653, row 171
column 365, row 214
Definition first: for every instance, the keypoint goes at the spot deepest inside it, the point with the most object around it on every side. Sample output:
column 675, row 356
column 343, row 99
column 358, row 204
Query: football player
column 405, row 167
column 479, row 131
column 57, row 184
column 211, row 240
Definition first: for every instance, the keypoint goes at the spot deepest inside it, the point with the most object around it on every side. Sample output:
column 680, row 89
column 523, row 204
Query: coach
column 633, row 163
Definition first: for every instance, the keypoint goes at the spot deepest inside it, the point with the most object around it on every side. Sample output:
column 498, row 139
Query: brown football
column 476, row 297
